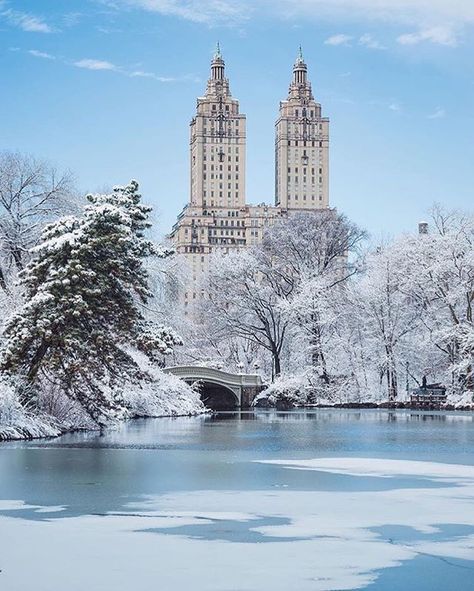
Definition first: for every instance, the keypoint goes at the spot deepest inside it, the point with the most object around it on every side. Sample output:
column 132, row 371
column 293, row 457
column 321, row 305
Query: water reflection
column 194, row 487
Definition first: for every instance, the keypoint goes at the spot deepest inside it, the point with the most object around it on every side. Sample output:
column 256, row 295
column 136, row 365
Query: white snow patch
column 382, row 468
column 327, row 540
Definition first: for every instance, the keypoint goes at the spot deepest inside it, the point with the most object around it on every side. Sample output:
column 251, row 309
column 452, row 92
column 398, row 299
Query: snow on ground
column 383, row 468
column 309, row 540
column 17, row 423
column 164, row 396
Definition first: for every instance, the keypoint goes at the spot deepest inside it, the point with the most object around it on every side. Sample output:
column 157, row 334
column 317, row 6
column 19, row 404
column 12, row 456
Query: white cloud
column 439, row 113
column 184, row 78
column 90, row 64
column 368, row 41
column 442, row 35
column 142, row 74
column 339, row 39
column 26, row 22
column 365, row 40
column 395, row 107
column 70, row 19
column 41, row 54
column 400, row 11
column 427, row 12
column 200, row 11
column 103, row 65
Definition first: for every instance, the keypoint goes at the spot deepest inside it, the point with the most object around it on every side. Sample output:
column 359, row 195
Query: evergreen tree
column 82, row 316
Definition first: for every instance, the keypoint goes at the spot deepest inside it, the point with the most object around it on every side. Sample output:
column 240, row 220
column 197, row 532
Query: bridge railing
column 201, row 372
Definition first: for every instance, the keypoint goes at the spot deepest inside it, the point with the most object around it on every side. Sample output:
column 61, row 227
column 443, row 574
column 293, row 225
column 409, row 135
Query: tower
column 217, row 145
column 301, row 147
column 217, row 217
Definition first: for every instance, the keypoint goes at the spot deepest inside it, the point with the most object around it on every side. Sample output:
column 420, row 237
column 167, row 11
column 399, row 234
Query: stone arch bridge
column 220, row 390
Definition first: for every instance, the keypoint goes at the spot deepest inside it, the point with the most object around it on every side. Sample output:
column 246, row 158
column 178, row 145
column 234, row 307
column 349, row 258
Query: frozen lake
column 323, row 500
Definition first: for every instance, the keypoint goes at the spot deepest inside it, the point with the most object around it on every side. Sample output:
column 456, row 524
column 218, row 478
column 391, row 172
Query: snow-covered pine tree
column 82, row 314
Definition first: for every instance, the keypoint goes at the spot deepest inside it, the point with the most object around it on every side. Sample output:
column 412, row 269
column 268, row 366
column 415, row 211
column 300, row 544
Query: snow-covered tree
column 382, row 307
column 283, row 285
column 244, row 296
column 85, row 292
column 315, row 254
column 32, row 193
column 442, row 286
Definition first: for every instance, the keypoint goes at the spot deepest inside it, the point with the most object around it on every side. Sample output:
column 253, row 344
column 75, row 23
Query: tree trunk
column 318, row 359
column 3, row 281
column 276, row 363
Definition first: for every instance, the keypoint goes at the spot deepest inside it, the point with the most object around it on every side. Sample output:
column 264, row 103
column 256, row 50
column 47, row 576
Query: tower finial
column 300, row 58
column 217, row 53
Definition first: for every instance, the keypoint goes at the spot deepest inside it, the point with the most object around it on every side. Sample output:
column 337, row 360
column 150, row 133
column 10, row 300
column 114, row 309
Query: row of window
column 229, row 194
column 220, row 177
column 226, row 223
column 304, row 170
column 229, row 167
column 304, row 112
column 217, row 131
column 215, row 120
column 295, row 180
column 214, row 108
column 208, row 139
column 311, row 143
column 219, row 240
column 298, row 126
column 221, row 186
column 211, row 149
column 313, row 198
column 231, row 213
column 225, row 232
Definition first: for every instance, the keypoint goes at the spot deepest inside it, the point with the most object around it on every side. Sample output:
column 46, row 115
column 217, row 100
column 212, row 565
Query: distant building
column 217, row 217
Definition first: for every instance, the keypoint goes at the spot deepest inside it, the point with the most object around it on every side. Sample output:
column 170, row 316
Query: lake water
column 321, row 500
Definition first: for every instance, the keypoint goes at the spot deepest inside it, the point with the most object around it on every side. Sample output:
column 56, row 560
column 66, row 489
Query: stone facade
column 301, row 147
column 217, row 217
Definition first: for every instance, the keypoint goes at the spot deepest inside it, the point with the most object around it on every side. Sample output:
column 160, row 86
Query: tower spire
column 217, row 64
column 300, row 55
column 300, row 70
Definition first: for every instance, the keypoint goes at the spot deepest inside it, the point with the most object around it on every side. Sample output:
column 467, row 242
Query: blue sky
column 107, row 89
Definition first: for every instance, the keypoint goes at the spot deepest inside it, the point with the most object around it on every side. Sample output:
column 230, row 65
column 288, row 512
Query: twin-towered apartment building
column 217, row 216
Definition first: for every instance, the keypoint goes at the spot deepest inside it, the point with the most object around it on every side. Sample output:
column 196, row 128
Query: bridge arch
column 216, row 396
column 221, row 389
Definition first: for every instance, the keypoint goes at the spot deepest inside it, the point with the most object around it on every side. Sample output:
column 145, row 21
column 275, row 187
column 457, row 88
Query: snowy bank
column 164, row 395
column 18, row 423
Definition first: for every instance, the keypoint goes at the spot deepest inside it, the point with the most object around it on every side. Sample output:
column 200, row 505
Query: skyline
column 107, row 89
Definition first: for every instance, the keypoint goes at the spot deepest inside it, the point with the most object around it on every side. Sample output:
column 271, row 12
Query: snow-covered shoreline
column 41, row 428
column 164, row 396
